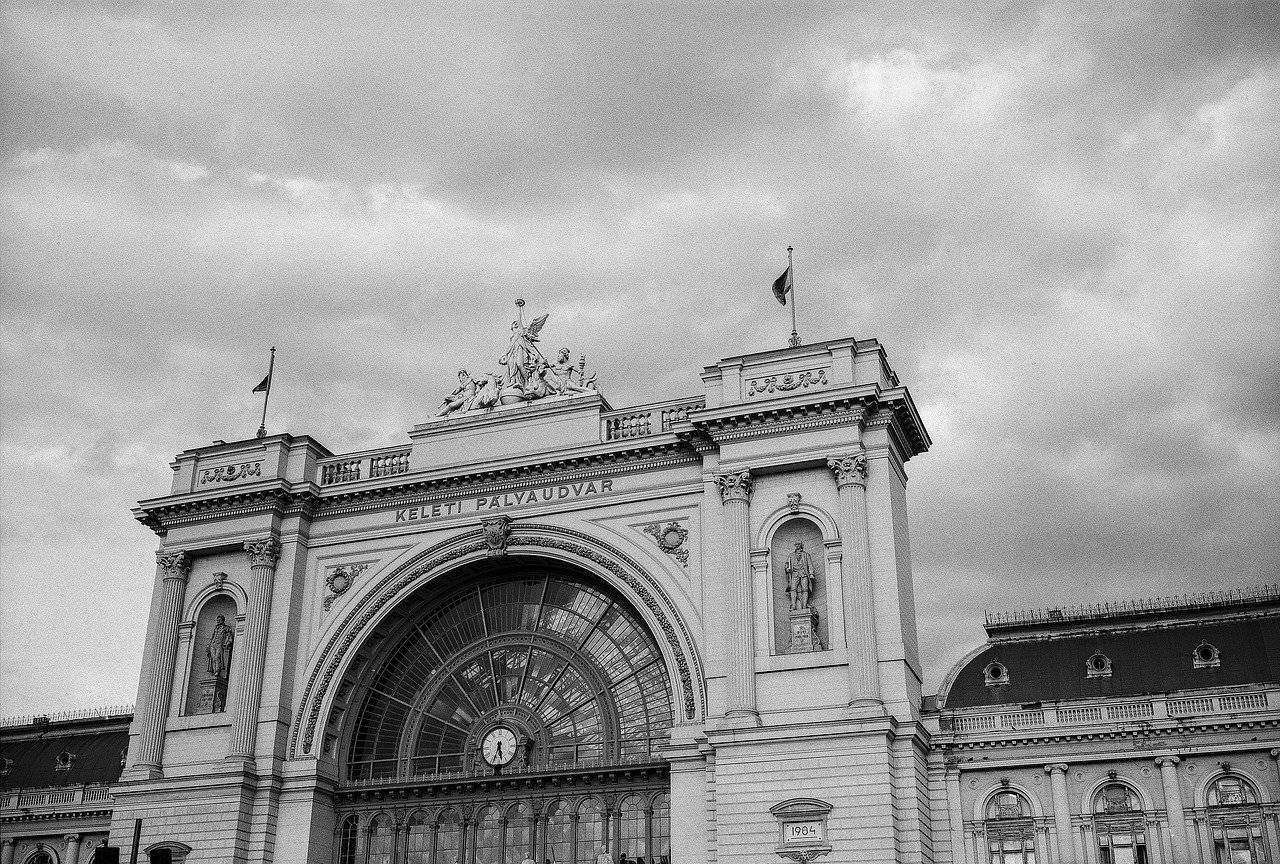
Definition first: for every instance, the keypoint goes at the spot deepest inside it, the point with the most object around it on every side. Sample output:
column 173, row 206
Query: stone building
column 547, row 630
column 55, row 784
column 1127, row 732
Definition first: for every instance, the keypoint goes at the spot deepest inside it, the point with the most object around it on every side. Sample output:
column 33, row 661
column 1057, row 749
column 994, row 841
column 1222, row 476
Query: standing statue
column 799, row 570
column 523, row 355
column 219, row 654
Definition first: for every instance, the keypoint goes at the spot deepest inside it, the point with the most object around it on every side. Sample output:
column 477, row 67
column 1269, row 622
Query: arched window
column 1235, row 820
column 40, row 858
column 1120, row 825
column 448, row 837
column 417, row 839
column 488, row 846
column 382, row 840
column 1011, row 832
column 632, row 832
column 662, row 829
column 348, row 840
column 1231, row 791
column 519, row 841
column 559, row 832
column 590, row 831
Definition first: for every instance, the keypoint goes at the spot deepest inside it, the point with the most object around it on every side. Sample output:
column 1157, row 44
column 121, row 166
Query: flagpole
column 262, row 428
column 795, row 337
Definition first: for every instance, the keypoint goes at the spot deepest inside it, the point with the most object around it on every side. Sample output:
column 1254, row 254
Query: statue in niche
column 529, row 375
column 799, row 570
column 219, row 654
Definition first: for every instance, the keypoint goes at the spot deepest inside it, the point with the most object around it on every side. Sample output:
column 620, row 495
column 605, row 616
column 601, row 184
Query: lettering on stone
column 504, row 500
column 228, row 473
column 787, row 383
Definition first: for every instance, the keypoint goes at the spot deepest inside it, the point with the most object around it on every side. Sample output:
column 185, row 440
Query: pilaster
column 735, row 496
column 263, row 555
column 153, row 704
column 859, row 600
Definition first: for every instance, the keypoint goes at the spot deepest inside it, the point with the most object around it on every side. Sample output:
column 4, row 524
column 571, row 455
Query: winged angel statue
column 529, row 375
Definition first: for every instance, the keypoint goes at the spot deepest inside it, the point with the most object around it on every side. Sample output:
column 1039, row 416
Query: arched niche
column 206, row 694
column 787, row 598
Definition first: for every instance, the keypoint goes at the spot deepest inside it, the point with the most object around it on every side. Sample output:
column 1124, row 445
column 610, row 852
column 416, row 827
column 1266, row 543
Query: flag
column 782, row 285
column 262, row 388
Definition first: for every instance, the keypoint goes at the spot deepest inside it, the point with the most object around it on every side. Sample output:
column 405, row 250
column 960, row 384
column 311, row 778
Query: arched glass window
column 448, row 837
column 382, row 840
column 1235, row 820
column 348, row 840
column 488, row 846
column 567, row 664
column 1231, row 791
column 519, row 841
column 559, row 832
column 40, row 858
column 1120, row 826
column 417, row 839
column 590, row 831
column 632, row 831
column 1011, row 833
column 662, row 829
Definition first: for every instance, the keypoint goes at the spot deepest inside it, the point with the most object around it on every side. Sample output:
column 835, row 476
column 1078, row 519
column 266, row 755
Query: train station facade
column 547, row 630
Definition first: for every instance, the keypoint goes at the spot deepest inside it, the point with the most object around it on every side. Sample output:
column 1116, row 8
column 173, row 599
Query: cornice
column 162, row 514
column 648, row 457
column 956, row 741
column 861, row 404
column 59, row 815
column 308, row 500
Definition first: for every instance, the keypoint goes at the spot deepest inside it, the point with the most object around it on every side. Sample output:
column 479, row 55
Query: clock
column 498, row 746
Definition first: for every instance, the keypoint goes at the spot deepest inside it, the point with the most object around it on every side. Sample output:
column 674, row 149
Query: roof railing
column 112, row 713
column 1123, row 608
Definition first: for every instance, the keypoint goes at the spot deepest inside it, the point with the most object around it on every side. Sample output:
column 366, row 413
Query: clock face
column 499, row 746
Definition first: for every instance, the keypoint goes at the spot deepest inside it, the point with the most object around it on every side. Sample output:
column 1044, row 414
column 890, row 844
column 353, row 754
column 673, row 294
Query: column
column 1173, row 805
column 955, row 814
column 6, row 850
column 72, row 842
column 248, row 662
column 859, row 601
column 1065, row 849
column 154, row 707
column 735, row 495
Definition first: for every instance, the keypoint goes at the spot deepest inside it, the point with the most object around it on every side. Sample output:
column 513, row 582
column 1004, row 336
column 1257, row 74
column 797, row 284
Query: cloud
column 1059, row 220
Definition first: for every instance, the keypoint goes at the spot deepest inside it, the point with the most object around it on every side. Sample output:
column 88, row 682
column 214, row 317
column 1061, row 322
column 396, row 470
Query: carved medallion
column 671, row 540
column 340, row 579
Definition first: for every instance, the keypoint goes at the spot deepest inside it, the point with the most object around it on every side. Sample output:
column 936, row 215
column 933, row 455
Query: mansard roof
column 33, row 752
column 1229, row 639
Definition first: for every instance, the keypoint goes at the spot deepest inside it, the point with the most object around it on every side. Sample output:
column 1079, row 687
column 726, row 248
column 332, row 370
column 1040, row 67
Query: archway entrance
column 507, row 712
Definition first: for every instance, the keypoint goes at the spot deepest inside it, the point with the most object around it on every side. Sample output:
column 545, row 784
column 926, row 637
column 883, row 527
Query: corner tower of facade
column 547, row 629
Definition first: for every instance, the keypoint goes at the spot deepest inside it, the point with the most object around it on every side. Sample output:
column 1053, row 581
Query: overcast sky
column 1061, row 221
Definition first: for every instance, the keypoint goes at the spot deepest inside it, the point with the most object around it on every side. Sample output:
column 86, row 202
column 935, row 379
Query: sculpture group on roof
column 529, row 375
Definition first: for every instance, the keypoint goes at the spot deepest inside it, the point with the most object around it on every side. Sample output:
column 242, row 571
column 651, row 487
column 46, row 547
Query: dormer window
column 1098, row 666
column 1205, row 656
column 64, row 761
column 5, row 765
column 995, row 674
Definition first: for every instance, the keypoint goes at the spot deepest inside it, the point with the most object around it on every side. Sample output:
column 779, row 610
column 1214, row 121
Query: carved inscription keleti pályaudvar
column 504, row 500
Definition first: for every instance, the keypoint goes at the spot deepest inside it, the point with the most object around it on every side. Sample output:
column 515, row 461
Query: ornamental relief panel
column 778, row 384
column 231, row 473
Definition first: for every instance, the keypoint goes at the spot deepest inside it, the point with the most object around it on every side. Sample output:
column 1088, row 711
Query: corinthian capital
column 734, row 486
column 849, row 469
column 174, row 565
column 263, row 553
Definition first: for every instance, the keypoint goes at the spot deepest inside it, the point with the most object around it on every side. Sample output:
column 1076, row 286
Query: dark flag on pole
column 265, row 387
column 782, row 285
